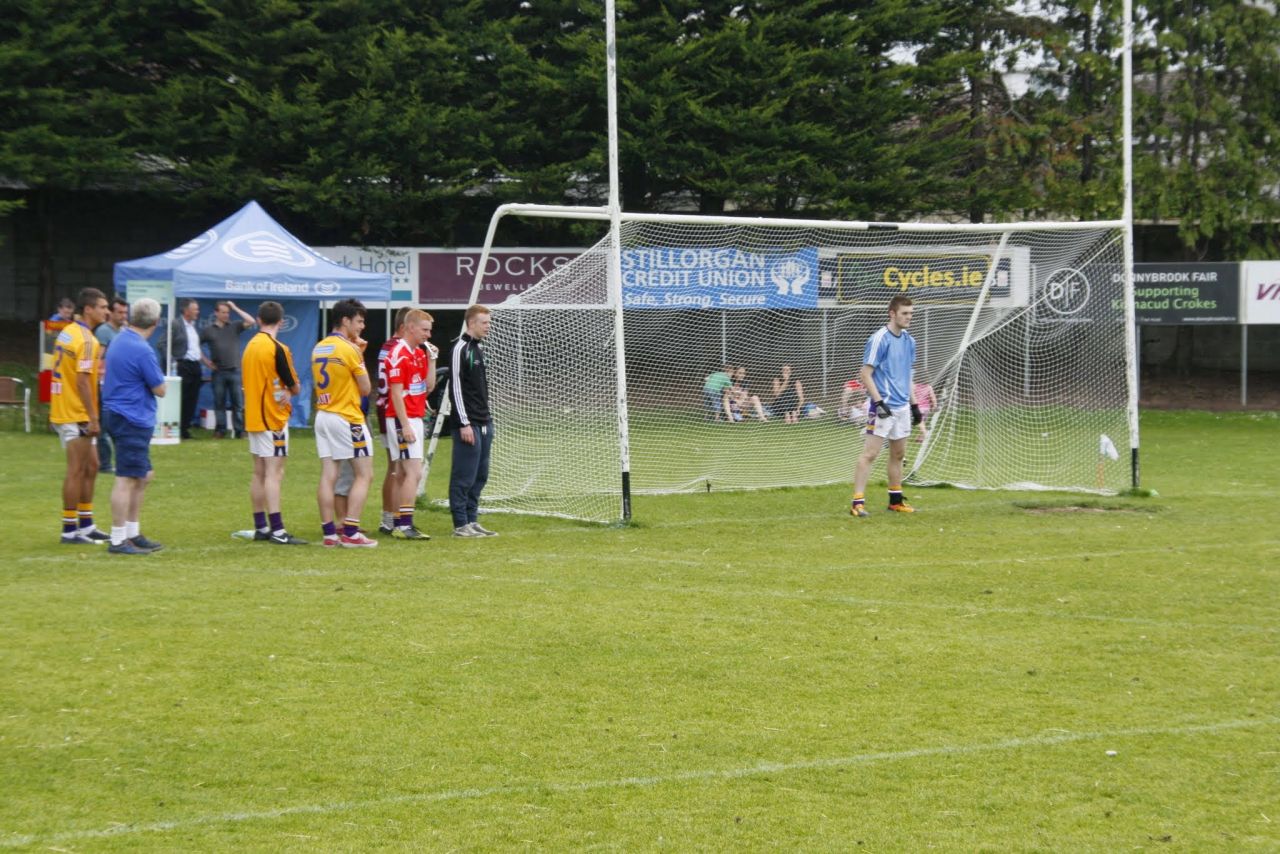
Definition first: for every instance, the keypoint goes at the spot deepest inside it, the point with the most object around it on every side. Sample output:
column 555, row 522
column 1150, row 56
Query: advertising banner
column 718, row 278
column 299, row 331
column 168, row 413
column 1261, row 301
column 169, row 407
column 1092, row 292
column 398, row 262
column 942, row 275
column 1173, row 294
column 445, row 276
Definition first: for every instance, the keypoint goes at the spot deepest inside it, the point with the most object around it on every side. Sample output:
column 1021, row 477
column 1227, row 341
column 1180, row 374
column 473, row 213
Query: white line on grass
column 631, row 782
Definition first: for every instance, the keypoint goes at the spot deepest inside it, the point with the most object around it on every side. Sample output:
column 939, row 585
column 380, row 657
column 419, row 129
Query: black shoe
column 261, row 535
column 127, row 548
column 185, row 434
column 284, row 538
column 98, row 536
column 218, row 434
column 145, row 544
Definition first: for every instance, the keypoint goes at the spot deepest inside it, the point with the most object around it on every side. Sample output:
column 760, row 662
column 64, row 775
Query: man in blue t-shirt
column 887, row 366
column 133, row 382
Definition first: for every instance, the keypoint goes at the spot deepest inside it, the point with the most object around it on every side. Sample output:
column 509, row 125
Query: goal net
column 1021, row 338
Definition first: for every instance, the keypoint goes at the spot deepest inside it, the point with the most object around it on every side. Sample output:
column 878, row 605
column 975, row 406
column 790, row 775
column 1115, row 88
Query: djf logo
column 1066, row 291
column 263, row 247
column 790, row 276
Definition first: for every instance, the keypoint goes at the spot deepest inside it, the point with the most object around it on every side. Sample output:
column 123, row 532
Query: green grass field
column 1000, row 671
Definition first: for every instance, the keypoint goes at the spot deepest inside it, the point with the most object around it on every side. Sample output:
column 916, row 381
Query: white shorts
column 397, row 448
column 270, row 443
column 70, row 432
column 339, row 439
column 896, row 426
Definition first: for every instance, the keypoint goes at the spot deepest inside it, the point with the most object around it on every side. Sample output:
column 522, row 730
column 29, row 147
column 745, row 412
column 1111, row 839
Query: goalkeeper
column 891, row 408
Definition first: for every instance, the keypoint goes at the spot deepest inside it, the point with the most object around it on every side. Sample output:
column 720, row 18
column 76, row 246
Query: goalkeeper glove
column 882, row 409
column 916, row 416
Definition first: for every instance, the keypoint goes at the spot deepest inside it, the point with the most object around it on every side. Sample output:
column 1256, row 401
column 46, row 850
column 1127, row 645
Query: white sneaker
column 484, row 532
column 466, row 531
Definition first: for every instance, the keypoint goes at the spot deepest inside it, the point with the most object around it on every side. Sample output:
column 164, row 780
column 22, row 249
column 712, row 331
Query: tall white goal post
column 598, row 371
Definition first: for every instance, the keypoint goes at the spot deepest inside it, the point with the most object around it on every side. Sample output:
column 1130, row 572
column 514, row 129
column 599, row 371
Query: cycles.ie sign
column 934, row 276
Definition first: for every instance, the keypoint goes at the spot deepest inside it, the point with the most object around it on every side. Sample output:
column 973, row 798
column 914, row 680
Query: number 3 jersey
column 335, row 364
column 76, row 352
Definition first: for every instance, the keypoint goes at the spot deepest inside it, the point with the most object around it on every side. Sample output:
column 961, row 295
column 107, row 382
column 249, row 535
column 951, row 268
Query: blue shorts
column 133, row 444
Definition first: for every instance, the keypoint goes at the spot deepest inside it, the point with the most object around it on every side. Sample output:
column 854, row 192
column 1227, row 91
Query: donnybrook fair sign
column 1175, row 294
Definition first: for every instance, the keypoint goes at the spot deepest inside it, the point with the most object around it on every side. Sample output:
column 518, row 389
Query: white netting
column 1028, row 382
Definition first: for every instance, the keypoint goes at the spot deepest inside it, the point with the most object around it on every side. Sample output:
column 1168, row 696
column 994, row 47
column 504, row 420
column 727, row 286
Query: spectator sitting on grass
column 853, row 403
column 715, row 394
column 788, row 396
column 741, row 398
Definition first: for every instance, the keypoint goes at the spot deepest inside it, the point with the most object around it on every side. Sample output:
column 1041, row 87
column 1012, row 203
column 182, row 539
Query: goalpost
column 1026, row 335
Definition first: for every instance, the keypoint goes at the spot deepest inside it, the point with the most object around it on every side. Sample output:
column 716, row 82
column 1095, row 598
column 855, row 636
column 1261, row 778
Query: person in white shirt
column 184, row 337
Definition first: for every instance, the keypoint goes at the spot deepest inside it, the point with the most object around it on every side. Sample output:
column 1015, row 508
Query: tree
column 982, row 162
column 1206, row 124
column 1075, row 102
column 67, row 89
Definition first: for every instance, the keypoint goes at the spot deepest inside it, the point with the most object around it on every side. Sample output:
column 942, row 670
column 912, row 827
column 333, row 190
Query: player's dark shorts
column 133, row 444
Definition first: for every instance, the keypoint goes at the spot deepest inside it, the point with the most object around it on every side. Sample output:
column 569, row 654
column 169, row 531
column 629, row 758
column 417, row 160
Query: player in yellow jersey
column 270, row 381
column 341, row 379
column 73, row 412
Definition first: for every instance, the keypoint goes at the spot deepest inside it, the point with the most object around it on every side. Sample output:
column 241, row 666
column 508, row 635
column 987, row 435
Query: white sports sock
column 131, row 530
column 118, row 535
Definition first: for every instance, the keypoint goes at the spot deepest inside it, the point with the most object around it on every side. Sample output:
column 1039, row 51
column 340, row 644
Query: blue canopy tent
column 249, row 258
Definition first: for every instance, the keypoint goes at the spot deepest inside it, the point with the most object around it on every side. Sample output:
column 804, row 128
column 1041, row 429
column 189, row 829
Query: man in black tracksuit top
column 470, row 424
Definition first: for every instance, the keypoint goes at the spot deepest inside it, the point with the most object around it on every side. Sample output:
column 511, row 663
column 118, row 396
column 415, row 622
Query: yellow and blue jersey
column 335, row 364
column 75, row 352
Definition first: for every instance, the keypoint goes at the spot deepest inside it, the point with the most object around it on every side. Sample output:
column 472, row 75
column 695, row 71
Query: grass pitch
column 1000, row 671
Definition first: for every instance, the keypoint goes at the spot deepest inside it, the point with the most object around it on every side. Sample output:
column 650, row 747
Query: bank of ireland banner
column 718, row 278
column 299, row 331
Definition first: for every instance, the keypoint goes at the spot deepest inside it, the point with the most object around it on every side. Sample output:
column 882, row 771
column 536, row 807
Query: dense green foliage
column 388, row 121
column 750, row 671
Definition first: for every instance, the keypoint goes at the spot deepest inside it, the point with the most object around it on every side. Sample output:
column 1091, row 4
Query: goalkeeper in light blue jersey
column 887, row 367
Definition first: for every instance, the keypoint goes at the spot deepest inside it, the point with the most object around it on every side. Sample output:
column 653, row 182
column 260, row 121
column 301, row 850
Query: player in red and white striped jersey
column 407, row 373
